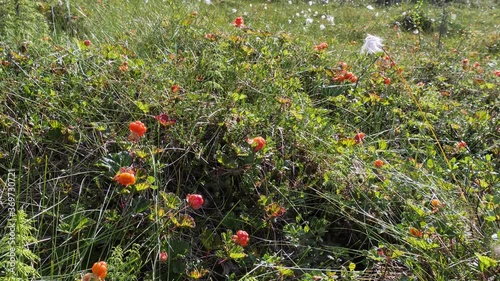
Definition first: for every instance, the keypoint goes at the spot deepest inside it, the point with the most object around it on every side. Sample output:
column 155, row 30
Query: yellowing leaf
column 197, row 274
column 236, row 256
column 183, row 221
column 296, row 115
column 485, row 262
column 142, row 106
column 161, row 212
column 382, row 145
column 142, row 186
column 170, row 200
column 285, row 272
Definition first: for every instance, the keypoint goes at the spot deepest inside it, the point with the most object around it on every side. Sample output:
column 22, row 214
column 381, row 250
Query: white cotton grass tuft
column 330, row 19
column 373, row 44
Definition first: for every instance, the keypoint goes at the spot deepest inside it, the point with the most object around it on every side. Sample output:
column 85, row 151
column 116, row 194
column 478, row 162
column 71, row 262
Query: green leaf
column 140, row 204
column 183, row 221
column 141, row 186
column 306, row 229
column 142, row 106
column 209, row 239
column 171, row 200
column 382, row 145
column 286, row 272
column 236, row 256
column 485, row 262
column 114, row 161
column 490, row 218
column 83, row 223
column 151, row 179
column 141, row 154
column 226, row 161
column 297, row 115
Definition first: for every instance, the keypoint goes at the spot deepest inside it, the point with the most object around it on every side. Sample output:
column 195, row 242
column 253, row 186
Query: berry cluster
column 342, row 75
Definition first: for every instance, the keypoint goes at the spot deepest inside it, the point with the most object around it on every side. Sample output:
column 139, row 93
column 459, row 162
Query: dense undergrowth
column 391, row 175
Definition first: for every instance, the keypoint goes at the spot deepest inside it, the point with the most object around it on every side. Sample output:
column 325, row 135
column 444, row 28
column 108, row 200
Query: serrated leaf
column 170, row 200
column 83, row 223
column 485, row 262
column 382, row 145
column 114, row 161
column 183, row 221
column 141, row 186
column 285, row 272
column 236, row 256
column 207, row 238
column 141, row 154
column 140, row 204
column 197, row 274
column 297, row 115
column 142, row 106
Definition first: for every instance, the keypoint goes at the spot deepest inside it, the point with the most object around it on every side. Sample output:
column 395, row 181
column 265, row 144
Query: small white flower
column 289, row 21
column 415, row 31
column 322, row 27
column 373, row 44
column 245, row 14
column 234, row 11
column 309, row 21
column 265, row 7
column 310, row 3
column 370, row 7
column 376, row 14
column 251, row 5
column 330, row 19
column 297, row 14
column 290, row 2
column 208, row 2
column 323, row 17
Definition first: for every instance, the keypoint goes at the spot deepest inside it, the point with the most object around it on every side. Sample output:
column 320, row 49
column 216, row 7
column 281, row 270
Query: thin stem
column 429, row 125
